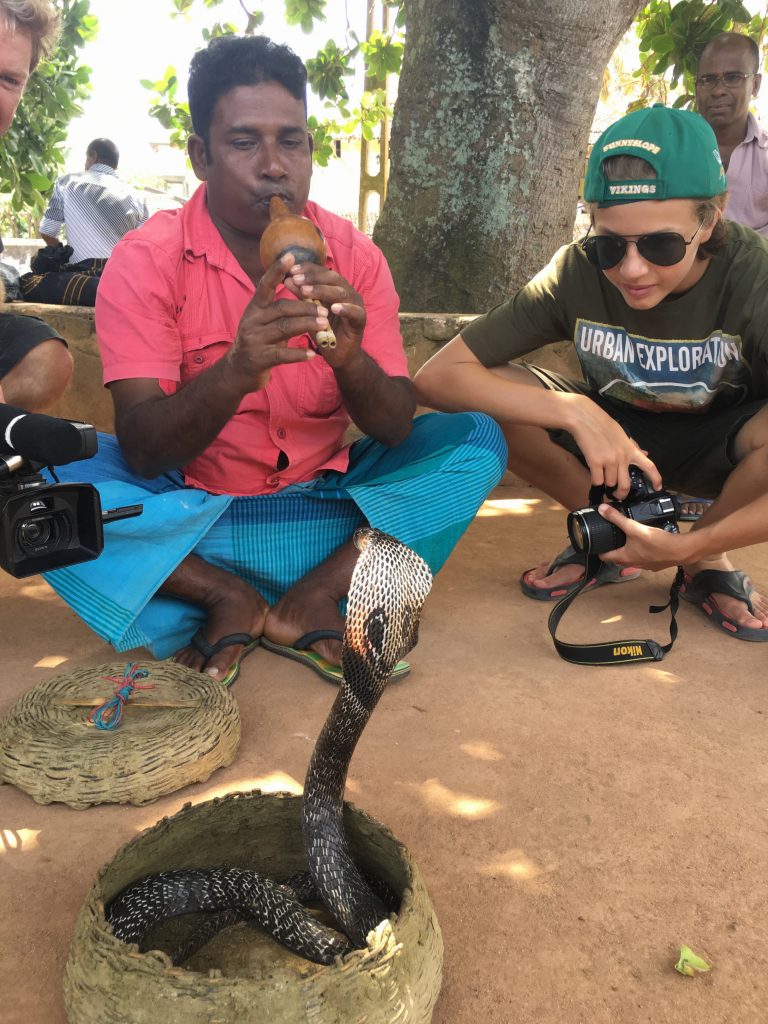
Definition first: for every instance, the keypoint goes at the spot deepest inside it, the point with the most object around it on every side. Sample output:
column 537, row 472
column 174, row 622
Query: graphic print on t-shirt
column 680, row 375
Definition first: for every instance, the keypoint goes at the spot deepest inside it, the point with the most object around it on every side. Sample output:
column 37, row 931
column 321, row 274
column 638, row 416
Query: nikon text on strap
column 613, row 652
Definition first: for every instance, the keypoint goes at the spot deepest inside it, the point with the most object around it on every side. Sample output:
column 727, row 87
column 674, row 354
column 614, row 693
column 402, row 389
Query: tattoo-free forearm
column 166, row 432
column 381, row 406
column 740, row 528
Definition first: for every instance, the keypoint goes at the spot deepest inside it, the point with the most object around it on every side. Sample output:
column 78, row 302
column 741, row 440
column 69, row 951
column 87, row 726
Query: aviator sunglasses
column 663, row 248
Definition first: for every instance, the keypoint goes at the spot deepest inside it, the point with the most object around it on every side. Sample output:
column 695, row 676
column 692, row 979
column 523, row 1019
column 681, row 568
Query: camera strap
column 613, row 652
column 616, row 652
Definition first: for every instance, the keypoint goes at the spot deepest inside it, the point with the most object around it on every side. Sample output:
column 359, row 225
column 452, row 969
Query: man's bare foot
column 238, row 611
column 232, row 607
column 734, row 609
column 313, row 603
column 300, row 611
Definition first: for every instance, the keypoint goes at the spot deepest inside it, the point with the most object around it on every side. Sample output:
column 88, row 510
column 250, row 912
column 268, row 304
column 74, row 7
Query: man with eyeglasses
column 727, row 80
column 667, row 306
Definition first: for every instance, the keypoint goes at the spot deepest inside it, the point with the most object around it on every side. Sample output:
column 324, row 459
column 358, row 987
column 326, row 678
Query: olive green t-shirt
column 703, row 350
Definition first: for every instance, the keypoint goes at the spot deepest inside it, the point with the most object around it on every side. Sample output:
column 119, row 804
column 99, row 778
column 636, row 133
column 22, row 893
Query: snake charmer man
column 231, row 420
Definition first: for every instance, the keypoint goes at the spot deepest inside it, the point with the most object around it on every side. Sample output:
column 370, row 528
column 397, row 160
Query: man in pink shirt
column 170, row 308
column 728, row 78
column 231, row 420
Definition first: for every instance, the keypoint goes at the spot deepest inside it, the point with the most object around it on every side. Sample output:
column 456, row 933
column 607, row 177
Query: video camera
column 47, row 526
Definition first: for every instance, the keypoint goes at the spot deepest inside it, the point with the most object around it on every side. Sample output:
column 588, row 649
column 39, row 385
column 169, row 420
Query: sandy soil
column 574, row 825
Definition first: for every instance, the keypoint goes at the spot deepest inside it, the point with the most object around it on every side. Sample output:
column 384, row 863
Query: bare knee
column 40, row 378
column 526, row 445
column 532, row 456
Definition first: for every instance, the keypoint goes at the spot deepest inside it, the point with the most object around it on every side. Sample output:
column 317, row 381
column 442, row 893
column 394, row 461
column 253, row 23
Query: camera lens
column 34, row 535
column 577, row 532
column 590, row 534
column 35, row 532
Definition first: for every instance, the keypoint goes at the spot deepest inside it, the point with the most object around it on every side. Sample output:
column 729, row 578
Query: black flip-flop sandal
column 607, row 573
column 300, row 652
column 698, row 590
column 208, row 650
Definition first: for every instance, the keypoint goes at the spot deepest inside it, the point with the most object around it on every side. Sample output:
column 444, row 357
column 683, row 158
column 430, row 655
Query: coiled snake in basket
column 389, row 585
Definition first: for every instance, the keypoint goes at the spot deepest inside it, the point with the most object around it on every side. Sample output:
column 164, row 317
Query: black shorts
column 693, row 452
column 18, row 336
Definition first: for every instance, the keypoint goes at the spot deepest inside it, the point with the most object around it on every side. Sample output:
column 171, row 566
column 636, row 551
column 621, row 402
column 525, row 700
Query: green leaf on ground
column 691, row 963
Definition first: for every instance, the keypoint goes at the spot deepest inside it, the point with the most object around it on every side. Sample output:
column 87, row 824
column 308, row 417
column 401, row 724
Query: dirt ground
column 575, row 826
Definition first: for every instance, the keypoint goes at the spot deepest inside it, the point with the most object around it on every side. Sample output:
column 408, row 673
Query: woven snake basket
column 243, row 976
column 50, row 750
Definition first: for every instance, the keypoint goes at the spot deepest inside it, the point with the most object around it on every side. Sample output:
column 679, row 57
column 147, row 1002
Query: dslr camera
column 47, row 526
column 591, row 534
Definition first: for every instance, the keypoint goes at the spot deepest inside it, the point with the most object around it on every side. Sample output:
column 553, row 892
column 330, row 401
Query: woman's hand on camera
column 647, row 547
column 608, row 450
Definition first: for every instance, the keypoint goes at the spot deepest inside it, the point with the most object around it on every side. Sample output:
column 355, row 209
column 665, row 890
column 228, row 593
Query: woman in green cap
column 667, row 307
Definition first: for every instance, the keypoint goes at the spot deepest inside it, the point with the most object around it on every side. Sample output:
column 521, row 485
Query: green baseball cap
column 679, row 145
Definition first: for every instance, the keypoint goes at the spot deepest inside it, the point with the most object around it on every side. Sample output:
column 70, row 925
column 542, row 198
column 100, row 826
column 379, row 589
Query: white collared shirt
column 96, row 209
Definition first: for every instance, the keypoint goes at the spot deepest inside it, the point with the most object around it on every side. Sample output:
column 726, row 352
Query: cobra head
column 390, row 583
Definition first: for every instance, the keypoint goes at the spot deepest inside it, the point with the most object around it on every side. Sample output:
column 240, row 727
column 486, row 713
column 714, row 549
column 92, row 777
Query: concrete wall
column 20, row 250
column 87, row 399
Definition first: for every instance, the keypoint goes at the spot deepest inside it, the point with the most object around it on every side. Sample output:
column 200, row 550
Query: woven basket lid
column 50, row 750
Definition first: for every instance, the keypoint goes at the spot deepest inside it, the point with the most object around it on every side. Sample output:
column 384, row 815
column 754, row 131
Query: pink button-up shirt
column 748, row 180
column 168, row 307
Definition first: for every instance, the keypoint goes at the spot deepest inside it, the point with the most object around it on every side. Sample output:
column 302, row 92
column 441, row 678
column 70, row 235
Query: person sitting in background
column 35, row 364
column 95, row 207
column 231, row 416
column 727, row 80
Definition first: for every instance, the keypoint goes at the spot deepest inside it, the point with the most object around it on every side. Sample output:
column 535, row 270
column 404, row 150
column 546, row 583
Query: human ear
column 706, row 233
column 198, row 156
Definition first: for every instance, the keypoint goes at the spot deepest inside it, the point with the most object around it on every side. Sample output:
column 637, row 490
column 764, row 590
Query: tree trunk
column 489, row 139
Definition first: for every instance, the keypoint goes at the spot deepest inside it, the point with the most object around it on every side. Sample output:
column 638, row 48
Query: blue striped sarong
column 425, row 492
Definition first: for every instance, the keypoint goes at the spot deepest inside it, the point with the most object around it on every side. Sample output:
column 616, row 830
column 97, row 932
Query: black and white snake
column 389, row 585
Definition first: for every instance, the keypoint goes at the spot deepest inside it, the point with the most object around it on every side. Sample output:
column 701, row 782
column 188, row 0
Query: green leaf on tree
column 38, row 181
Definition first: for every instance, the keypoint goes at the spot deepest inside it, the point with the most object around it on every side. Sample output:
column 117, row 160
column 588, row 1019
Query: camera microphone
column 48, row 526
column 45, row 439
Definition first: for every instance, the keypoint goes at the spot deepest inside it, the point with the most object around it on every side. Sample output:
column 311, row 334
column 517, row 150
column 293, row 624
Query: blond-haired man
column 35, row 365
